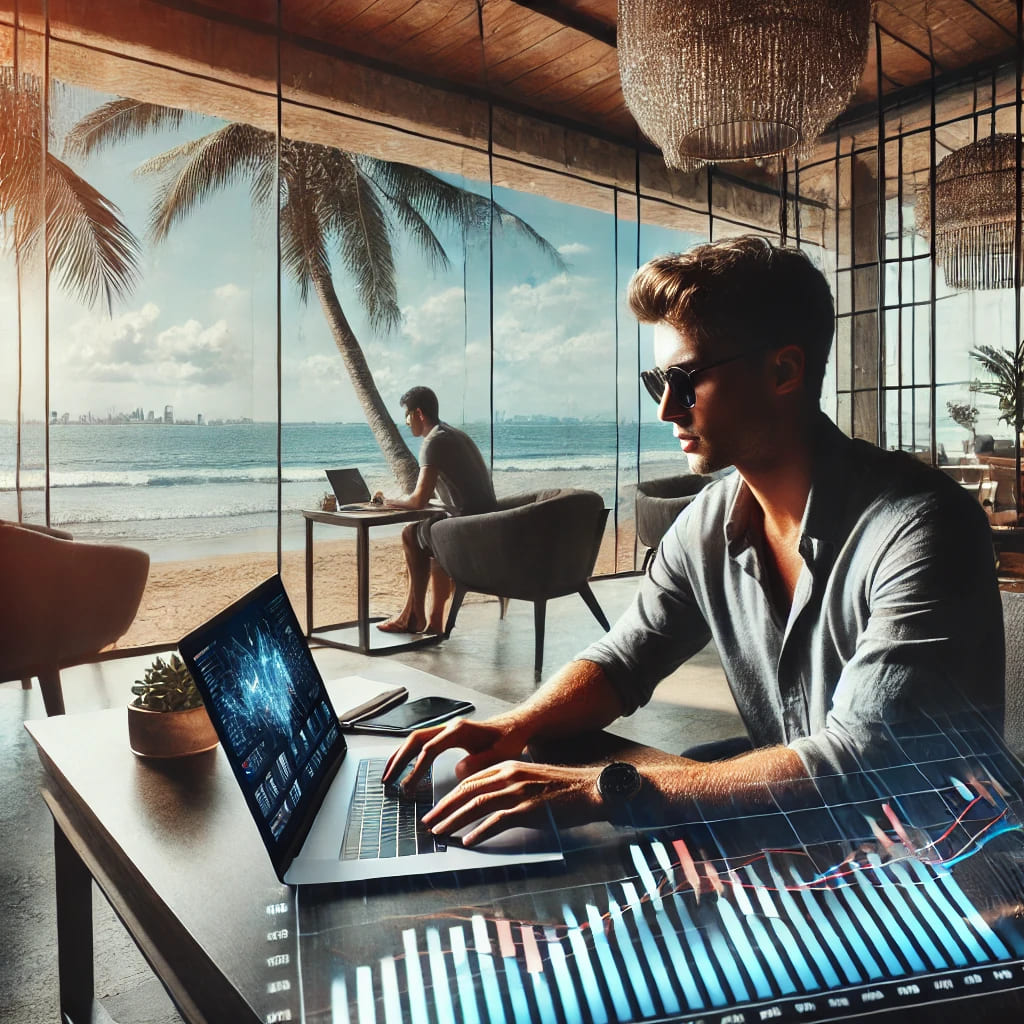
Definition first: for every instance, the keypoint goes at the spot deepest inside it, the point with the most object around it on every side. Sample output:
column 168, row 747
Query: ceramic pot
column 170, row 733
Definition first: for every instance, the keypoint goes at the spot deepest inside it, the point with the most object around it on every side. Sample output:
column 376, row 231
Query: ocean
column 178, row 489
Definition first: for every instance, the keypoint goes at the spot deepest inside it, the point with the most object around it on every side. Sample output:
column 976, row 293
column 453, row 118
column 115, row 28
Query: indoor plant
column 167, row 717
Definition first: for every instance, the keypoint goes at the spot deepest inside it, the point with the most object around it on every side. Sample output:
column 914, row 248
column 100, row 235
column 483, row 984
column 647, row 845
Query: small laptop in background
column 350, row 489
column 319, row 803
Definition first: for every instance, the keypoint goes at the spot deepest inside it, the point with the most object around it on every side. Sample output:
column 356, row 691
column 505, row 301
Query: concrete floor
column 483, row 653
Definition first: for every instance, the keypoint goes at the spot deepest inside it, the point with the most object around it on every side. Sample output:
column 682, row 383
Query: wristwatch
column 618, row 785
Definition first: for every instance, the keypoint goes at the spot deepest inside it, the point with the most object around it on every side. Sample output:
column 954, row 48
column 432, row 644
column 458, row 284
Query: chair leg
column 26, row 684
column 588, row 595
column 457, row 595
column 503, row 605
column 539, row 607
column 53, row 696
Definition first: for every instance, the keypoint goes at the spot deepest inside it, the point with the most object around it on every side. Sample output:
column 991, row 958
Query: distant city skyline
column 200, row 331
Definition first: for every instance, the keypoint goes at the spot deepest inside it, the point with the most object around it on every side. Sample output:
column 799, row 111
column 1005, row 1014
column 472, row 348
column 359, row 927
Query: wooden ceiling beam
column 572, row 18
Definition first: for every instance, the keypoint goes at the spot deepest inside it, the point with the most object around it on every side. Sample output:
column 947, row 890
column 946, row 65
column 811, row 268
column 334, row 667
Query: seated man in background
column 845, row 588
column 451, row 464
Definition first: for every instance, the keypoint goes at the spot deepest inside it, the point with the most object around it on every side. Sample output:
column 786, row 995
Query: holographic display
column 896, row 888
column 264, row 689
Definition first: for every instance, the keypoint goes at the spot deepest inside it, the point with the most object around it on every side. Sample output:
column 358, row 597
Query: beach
column 182, row 593
column 204, row 503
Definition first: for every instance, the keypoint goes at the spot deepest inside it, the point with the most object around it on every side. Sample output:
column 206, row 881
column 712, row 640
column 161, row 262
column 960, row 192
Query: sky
column 198, row 332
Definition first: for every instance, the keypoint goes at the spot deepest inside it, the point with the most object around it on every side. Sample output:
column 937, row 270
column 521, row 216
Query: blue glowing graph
column 266, row 693
column 891, row 888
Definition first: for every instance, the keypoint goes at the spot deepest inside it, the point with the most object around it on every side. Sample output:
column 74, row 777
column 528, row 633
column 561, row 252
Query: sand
column 181, row 594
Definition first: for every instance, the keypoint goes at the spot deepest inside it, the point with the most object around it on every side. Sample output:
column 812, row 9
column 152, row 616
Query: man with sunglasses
column 845, row 588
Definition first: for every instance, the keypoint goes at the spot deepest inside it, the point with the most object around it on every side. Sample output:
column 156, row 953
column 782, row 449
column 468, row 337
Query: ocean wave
column 34, row 481
column 79, row 518
column 556, row 465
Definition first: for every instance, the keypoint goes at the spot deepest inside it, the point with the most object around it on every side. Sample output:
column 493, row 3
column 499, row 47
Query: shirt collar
column 831, row 469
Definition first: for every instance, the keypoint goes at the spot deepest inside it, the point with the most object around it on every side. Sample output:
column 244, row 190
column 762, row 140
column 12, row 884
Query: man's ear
column 788, row 365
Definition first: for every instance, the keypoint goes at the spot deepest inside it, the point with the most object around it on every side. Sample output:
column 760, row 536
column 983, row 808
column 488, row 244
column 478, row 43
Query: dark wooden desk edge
column 166, row 944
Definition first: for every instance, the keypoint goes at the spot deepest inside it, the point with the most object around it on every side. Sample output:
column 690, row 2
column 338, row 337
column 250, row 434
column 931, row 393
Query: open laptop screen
column 270, row 707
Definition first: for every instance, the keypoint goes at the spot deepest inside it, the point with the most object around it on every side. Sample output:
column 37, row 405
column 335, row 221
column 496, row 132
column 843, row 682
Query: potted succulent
column 167, row 717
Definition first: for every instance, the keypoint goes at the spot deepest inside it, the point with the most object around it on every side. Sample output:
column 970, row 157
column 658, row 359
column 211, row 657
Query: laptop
column 317, row 800
column 351, row 491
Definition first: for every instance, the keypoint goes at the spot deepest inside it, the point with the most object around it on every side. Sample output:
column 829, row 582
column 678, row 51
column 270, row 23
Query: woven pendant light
column 975, row 213
column 719, row 80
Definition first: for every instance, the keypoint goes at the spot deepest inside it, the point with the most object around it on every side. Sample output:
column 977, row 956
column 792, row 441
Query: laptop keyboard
column 381, row 825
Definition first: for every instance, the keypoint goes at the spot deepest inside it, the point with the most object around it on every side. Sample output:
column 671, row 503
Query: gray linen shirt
column 463, row 481
column 896, row 610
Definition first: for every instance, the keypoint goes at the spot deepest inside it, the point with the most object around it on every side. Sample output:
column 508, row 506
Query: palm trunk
column 396, row 452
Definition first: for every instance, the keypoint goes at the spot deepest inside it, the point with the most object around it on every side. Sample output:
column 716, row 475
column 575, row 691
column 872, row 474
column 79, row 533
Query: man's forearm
column 577, row 699
column 677, row 784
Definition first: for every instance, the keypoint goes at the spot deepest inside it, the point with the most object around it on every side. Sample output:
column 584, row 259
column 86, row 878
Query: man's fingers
column 522, row 814
column 474, row 763
column 480, row 808
column 411, row 747
column 486, row 792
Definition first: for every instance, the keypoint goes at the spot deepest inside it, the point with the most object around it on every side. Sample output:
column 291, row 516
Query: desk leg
column 363, row 585
column 78, row 1003
column 309, row 578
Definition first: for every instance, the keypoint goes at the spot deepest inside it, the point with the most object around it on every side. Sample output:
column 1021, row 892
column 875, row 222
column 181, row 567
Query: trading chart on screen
column 887, row 889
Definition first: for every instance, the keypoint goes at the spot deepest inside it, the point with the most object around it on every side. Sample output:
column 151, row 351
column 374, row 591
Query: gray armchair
column 658, row 502
column 533, row 547
column 61, row 603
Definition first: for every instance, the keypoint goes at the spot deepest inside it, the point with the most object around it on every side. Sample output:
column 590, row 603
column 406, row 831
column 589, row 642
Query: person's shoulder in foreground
column 897, row 615
column 846, row 589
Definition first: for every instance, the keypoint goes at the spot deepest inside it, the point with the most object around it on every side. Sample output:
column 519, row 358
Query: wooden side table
column 357, row 635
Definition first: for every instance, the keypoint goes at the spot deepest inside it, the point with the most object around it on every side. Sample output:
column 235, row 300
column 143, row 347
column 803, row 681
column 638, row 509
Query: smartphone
column 416, row 714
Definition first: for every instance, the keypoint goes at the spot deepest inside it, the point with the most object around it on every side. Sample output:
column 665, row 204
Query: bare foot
column 400, row 624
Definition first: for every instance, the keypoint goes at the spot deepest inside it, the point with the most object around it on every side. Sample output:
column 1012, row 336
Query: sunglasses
column 680, row 381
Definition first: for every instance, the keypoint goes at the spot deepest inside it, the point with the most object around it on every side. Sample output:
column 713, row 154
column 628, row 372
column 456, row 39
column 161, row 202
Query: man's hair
column 745, row 291
column 421, row 398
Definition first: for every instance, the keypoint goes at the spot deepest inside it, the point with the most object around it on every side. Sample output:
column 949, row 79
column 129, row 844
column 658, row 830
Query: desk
column 687, row 924
column 357, row 635
column 173, row 848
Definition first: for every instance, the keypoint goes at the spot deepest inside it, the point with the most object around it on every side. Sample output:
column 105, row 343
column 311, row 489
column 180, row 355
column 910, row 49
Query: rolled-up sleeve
column 661, row 629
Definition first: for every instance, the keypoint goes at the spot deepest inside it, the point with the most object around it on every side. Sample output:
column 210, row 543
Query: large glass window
column 293, row 239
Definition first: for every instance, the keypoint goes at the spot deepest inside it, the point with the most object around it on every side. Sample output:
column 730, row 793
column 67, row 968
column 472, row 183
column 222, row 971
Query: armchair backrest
column 62, row 601
column 537, row 545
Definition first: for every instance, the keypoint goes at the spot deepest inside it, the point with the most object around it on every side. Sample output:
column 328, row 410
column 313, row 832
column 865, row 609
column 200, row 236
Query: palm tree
column 95, row 255
column 1007, row 368
column 329, row 200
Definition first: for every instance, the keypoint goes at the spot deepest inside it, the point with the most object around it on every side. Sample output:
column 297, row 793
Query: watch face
column 619, row 782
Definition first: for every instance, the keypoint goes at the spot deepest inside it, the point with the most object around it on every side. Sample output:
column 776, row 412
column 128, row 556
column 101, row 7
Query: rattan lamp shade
column 975, row 213
column 719, row 80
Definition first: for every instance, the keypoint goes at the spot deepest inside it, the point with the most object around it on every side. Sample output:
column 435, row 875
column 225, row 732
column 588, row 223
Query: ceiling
column 557, row 58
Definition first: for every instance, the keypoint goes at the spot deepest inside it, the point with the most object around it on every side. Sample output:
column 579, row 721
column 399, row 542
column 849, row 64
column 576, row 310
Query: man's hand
column 513, row 794
column 487, row 743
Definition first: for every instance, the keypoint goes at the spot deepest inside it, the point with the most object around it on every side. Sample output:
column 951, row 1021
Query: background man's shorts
column 423, row 531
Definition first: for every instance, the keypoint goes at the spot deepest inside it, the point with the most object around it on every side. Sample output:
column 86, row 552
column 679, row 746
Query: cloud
column 556, row 323
column 130, row 348
column 573, row 249
column 230, row 291
column 437, row 320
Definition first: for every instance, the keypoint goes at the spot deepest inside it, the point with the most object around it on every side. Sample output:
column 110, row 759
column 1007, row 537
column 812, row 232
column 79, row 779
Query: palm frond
column 303, row 245
column 119, row 120
column 438, row 199
column 1007, row 367
column 194, row 171
column 348, row 206
column 93, row 251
